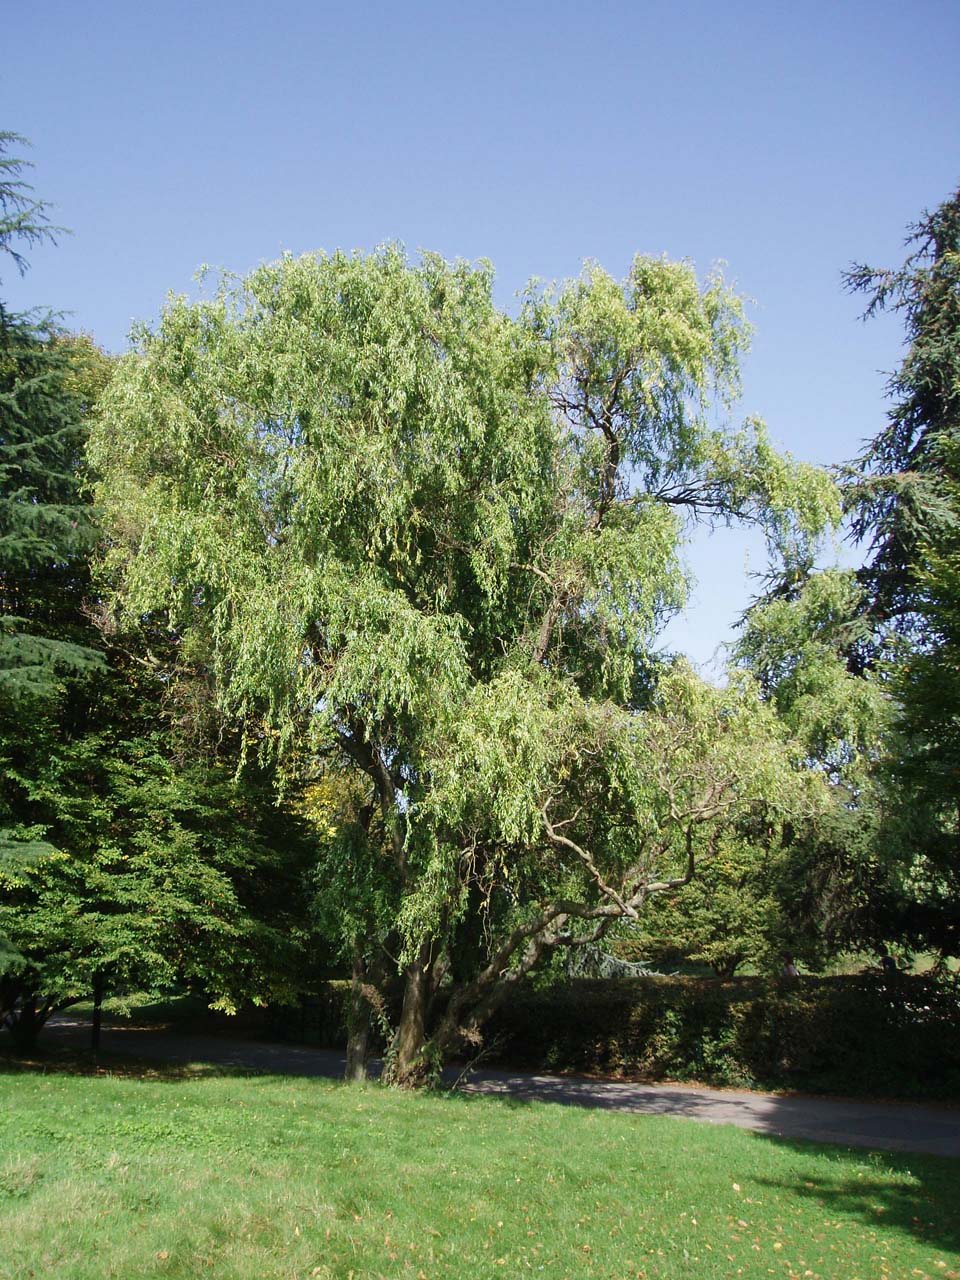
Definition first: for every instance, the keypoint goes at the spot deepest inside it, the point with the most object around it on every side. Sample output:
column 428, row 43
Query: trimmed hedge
column 849, row 1035
column 860, row 1035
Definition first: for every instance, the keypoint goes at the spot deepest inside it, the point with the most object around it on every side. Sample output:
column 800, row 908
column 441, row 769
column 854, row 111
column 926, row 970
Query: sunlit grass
column 260, row 1177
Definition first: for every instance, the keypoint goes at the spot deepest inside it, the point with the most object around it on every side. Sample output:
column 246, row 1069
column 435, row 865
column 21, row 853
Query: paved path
column 880, row 1125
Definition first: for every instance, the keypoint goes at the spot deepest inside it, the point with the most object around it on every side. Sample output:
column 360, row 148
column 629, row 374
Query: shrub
column 853, row 1035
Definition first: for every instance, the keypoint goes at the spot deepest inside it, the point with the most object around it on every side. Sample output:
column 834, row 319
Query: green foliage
column 730, row 915
column 48, row 382
column 45, row 530
column 637, row 365
column 902, row 499
column 799, row 647
column 858, row 1035
column 125, row 862
column 154, row 870
column 24, row 219
column 816, row 884
column 433, row 545
column 906, row 498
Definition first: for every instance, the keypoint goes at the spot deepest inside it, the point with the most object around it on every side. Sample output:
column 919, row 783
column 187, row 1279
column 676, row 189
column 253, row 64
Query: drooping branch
column 564, row 842
column 371, row 761
column 547, row 624
column 710, row 499
column 675, row 882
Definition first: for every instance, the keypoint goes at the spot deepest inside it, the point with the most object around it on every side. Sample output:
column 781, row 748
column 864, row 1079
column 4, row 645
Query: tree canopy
column 331, row 632
column 901, row 493
column 432, row 545
column 863, row 663
column 906, row 499
column 125, row 860
column 46, row 380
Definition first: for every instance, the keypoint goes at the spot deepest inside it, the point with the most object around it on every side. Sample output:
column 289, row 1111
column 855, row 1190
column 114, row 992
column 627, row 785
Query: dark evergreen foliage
column 906, row 499
column 45, row 529
column 899, row 497
column 158, row 870
column 24, row 219
column 127, row 860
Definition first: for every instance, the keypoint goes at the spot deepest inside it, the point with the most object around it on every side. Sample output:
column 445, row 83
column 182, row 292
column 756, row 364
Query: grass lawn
column 262, row 1177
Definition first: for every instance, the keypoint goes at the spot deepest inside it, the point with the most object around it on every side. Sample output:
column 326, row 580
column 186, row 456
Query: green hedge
column 850, row 1035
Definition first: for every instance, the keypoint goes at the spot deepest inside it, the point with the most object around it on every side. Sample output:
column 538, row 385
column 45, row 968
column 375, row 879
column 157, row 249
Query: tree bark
column 27, row 1023
column 409, row 1066
column 97, row 1015
column 358, row 1024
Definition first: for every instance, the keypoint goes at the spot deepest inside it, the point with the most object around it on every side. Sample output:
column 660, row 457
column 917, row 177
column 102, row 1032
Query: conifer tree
column 904, row 496
column 45, row 529
column 907, row 501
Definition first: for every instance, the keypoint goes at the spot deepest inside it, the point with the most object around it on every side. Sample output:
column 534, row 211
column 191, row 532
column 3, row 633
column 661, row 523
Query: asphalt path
column 878, row 1125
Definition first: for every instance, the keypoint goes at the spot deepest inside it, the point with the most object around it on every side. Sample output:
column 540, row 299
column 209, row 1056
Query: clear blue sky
column 787, row 140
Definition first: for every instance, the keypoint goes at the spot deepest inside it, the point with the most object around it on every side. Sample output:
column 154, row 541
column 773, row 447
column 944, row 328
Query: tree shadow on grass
column 60, row 1060
column 914, row 1195
column 907, row 1193
column 167, row 1053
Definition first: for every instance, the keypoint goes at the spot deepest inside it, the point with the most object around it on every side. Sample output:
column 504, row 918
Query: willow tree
column 432, row 545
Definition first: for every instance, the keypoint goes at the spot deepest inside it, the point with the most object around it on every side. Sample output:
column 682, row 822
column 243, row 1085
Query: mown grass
column 255, row 1178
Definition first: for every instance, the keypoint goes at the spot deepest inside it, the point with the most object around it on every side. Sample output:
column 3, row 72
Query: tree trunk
column 463, row 1034
column 27, row 1023
column 409, row 1067
column 357, row 1052
column 97, row 1015
column 358, row 1024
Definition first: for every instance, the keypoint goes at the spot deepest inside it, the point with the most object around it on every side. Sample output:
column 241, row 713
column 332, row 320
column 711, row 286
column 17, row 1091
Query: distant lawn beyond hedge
column 260, row 1178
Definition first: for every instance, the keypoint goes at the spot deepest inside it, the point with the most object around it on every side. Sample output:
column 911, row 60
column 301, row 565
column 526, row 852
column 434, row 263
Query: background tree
column 126, row 860
column 730, row 915
column 821, row 885
column 159, row 870
column 902, row 496
column 46, row 384
column 24, row 219
column 435, row 545
column 862, row 665
column 804, row 646
column 906, row 500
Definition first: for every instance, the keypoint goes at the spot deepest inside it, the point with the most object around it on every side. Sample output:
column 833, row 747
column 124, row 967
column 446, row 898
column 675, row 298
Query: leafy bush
column 846, row 1035
column 852, row 1035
